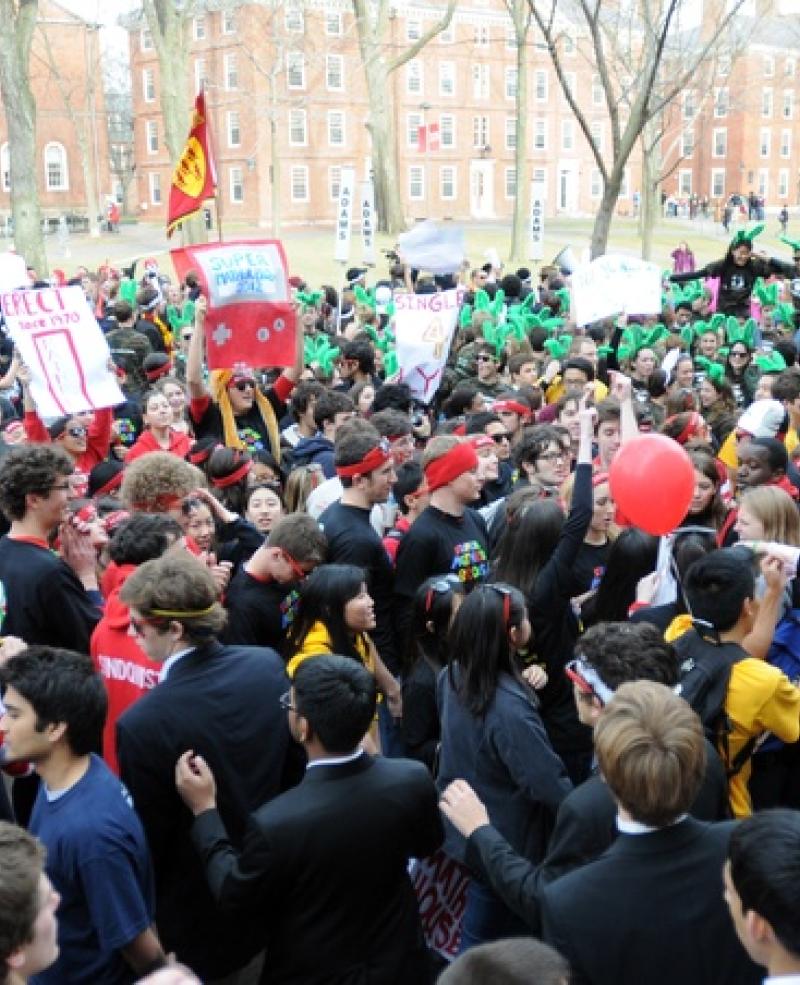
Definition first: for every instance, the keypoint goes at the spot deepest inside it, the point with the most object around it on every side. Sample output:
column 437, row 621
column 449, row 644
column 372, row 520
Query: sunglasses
column 78, row 431
column 242, row 385
column 138, row 625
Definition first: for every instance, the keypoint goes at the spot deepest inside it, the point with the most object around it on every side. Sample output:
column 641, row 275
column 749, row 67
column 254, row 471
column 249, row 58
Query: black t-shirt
column 259, row 612
column 250, row 426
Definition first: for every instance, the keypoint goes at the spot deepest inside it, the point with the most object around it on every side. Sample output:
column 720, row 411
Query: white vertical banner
column 367, row 205
column 344, row 215
column 536, row 226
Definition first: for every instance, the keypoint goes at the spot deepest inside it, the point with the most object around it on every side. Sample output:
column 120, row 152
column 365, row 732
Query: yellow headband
column 180, row 614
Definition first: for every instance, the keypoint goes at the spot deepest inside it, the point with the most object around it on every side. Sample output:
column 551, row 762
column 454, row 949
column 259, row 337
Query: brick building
column 69, row 103
column 297, row 68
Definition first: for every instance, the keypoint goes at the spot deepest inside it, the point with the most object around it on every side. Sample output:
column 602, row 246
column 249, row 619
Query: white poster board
column 434, row 247
column 614, row 284
column 344, row 215
column 536, row 227
column 424, row 325
column 367, row 209
column 61, row 343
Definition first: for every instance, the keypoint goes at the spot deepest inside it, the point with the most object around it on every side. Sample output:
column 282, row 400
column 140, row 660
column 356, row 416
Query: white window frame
column 783, row 183
column 298, row 121
column 299, row 171
column 598, row 94
column 145, row 39
column 598, row 131
column 688, row 109
column 687, row 143
column 334, row 64
column 337, row 119
column 541, row 85
column 295, row 63
column 764, row 142
column 294, row 20
column 769, row 67
column 482, row 36
column 595, row 184
column 151, row 136
column 334, row 23
column 481, row 81
column 413, row 123
column 5, row 167
column 762, row 186
column 785, row 151
column 415, row 78
column 510, row 133
column 717, row 173
column 334, row 182
column 788, row 104
column 416, row 177
column 231, row 71
column 721, row 102
column 233, row 128
column 200, row 73
column 509, row 176
column 568, row 135
column 540, row 130
column 790, row 68
column 447, row 127
column 154, row 187
column 199, row 27
column 413, row 29
column 480, row 132
column 235, row 180
column 448, row 173
column 719, row 142
column 510, row 80
column 685, row 177
column 228, row 22
column 447, row 79
column 149, row 85
column 767, row 103
column 448, row 35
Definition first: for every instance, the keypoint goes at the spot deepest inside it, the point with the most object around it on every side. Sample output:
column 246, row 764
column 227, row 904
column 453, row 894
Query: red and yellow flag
column 195, row 177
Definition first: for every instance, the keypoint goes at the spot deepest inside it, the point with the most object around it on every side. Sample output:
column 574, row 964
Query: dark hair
column 21, row 864
column 122, row 311
column 705, row 463
column 30, row 469
column 323, row 596
column 632, row 556
column 476, row 423
column 516, row 961
column 460, row 400
column 391, row 423
column 302, row 393
column 479, row 640
column 629, row 651
column 581, row 364
column 222, row 463
column 362, row 353
column 433, row 604
column 329, row 404
column 511, row 286
column 337, row 698
column 716, row 587
column 409, row 478
column 394, row 396
column 144, row 537
column 352, row 444
column 531, row 537
column 777, row 456
column 764, row 855
column 534, row 441
column 61, row 686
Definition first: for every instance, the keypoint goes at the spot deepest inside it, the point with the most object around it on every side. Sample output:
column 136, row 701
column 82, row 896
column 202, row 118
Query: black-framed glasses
column 285, row 701
column 77, row 431
column 553, row 456
column 500, row 437
column 242, row 385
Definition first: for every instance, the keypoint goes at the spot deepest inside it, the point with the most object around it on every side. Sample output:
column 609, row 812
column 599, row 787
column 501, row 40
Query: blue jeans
column 487, row 918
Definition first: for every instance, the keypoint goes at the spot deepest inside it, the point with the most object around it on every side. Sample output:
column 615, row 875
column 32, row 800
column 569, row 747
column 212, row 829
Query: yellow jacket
column 318, row 641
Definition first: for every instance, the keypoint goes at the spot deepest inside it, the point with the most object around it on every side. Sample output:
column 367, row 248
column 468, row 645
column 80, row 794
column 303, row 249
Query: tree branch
column 438, row 27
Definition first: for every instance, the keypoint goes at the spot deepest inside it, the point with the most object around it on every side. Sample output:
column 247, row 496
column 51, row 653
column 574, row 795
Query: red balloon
column 652, row 482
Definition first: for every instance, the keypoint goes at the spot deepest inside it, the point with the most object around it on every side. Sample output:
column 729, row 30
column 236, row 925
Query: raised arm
column 194, row 357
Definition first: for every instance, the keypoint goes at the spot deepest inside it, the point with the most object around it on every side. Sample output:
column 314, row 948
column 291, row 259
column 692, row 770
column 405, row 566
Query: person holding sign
column 235, row 410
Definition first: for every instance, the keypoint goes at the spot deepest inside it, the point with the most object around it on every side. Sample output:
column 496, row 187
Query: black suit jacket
column 650, row 910
column 325, row 867
column 222, row 702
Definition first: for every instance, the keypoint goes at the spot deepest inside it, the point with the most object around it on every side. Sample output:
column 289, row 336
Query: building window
column 511, row 132
column 295, row 70
column 511, row 82
column 151, row 135
column 567, row 135
column 480, row 81
column 200, row 74
column 234, row 129
column 568, row 44
column 596, row 130
column 721, row 102
column 294, row 20
column 624, row 189
column 687, row 143
column 480, row 132
column 595, row 184
column 511, row 38
column 299, row 180
column 413, row 30
column 788, row 104
column 413, row 123
column 154, row 183
column 763, row 182
column 447, row 183
column 510, row 182
column 540, row 86
column 236, row 185
column 783, row 183
column 333, row 23
column 447, row 130
column 231, row 72
column 789, row 68
column 414, row 85
column 766, row 103
column 719, row 142
column 334, row 72
column 724, row 66
column 482, row 35
column 416, row 183
column 448, row 35
column 145, row 40
column 229, row 22
column 688, row 104
column 597, row 91
column 569, row 81
column 769, row 66
column 336, row 136
column 685, row 182
column 334, row 183
column 298, row 135
column 447, row 79
column 540, row 135
column 765, row 142
column 5, row 167
column 786, row 143
column 148, row 85
column 199, row 27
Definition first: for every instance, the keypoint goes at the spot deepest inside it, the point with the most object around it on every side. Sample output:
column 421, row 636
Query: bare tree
column 16, row 37
column 373, row 22
column 520, row 15
column 628, row 45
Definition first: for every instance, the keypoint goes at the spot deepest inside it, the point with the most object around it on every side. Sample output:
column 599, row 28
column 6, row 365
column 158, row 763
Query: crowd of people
column 271, row 638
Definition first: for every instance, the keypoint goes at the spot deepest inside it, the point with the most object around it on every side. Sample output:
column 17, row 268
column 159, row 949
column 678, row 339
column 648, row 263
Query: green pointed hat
column 746, row 236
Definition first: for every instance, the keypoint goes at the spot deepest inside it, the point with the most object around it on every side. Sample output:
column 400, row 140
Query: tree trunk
column 275, row 172
column 388, row 204
column 20, row 112
column 605, row 214
column 519, row 222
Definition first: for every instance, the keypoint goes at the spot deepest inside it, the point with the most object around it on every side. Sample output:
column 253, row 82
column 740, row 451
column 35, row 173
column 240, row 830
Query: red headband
column 202, row 454
column 229, row 480
column 482, row 441
column 692, row 427
column 513, row 406
column 113, row 483
column 460, row 459
column 158, row 504
column 374, row 458
column 156, row 374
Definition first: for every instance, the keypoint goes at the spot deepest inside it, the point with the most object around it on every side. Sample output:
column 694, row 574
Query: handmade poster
column 251, row 318
column 61, row 343
column 435, row 247
column 441, row 886
column 424, row 325
column 612, row 285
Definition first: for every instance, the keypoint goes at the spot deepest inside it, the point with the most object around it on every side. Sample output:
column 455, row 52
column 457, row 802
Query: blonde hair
column 777, row 512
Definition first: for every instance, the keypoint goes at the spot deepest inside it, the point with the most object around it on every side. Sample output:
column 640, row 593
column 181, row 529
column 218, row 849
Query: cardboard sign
column 423, row 326
column 251, row 318
column 439, row 249
column 441, row 887
column 614, row 284
column 61, row 343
